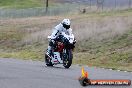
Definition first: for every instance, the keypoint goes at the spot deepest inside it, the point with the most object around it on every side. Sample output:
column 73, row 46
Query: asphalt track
column 34, row 74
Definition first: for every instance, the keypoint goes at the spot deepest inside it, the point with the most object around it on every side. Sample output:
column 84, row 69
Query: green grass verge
column 24, row 3
column 113, row 53
column 24, row 54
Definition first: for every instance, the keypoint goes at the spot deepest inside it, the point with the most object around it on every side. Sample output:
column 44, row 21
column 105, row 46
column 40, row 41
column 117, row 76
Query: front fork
column 65, row 55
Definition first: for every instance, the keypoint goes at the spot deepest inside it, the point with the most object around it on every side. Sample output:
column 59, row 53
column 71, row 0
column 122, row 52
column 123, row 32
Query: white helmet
column 66, row 23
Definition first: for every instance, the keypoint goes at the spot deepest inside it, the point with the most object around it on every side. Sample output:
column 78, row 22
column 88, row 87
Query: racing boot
column 49, row 51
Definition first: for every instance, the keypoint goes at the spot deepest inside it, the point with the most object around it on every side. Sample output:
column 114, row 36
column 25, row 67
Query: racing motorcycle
column 62, row 51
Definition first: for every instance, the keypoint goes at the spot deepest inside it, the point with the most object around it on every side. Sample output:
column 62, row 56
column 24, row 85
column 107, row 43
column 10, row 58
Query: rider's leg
column 50, row 47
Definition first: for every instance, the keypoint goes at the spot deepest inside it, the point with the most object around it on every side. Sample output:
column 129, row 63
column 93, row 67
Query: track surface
column 33, row 74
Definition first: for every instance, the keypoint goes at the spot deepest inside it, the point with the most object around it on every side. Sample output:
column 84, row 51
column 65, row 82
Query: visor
column 66, row 26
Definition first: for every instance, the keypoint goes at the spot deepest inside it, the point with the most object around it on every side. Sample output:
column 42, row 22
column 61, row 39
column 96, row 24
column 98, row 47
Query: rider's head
column 66, row 23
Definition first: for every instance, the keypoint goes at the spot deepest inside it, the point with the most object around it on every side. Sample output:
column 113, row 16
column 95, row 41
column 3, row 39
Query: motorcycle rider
column 64, row 26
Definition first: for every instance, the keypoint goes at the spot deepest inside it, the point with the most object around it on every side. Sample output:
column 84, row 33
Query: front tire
column 68, row 60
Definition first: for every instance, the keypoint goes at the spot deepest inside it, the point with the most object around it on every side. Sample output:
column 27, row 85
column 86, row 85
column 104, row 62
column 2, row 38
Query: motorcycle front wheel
column 68, row 59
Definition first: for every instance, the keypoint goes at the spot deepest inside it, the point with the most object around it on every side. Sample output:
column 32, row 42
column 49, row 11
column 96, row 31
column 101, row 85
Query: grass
column 20, row 3
column 24, row 54
column 103, row 39
column 23, row 3
column 114, row 53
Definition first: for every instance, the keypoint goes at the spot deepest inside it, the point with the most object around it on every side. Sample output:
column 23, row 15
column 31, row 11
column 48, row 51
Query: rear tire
column 68, row 61
column 48, row 61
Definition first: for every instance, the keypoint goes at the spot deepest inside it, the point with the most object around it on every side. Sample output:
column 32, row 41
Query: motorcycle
column 62, row 51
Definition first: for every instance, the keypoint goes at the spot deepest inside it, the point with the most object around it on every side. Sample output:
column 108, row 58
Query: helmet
column 66, row 23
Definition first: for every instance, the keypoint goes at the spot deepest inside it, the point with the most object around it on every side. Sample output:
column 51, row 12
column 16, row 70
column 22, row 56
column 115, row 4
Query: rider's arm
column 54, row 33
column 70, row 31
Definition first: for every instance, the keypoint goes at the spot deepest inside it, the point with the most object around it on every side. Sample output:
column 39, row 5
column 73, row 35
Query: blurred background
column 27, row 8
column 103, row 29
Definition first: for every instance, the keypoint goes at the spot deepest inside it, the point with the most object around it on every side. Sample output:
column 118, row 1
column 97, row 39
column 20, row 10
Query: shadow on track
column 56, row 67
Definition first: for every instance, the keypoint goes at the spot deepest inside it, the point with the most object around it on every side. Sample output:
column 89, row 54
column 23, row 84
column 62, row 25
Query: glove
column 53, row 41
column 74, row 41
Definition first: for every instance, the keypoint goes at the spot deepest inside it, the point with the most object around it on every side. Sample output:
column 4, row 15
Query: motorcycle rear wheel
column 48, row 61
